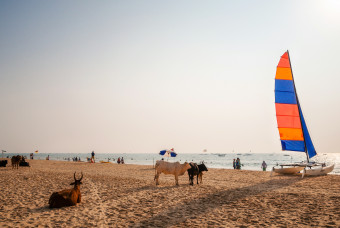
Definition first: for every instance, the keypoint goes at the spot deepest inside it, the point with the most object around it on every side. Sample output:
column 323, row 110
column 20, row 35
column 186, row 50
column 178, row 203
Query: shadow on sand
column 183, row 212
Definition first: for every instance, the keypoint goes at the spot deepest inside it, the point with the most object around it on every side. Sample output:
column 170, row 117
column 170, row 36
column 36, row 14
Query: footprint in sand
column 97, row 211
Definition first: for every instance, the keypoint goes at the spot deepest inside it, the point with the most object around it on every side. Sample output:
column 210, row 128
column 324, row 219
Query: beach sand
column 126, row 196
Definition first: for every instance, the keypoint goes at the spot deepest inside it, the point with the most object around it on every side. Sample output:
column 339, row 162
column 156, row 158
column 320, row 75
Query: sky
column 142, row 76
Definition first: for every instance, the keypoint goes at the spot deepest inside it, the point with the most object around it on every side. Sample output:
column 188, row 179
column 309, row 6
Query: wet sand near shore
column 126, row 196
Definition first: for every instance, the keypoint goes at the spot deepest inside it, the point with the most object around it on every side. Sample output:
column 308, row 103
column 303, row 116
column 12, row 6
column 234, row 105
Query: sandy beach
column 126, row 196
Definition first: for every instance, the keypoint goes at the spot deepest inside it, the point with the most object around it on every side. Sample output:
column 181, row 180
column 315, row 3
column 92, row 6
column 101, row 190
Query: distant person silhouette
column 264, row 166
column 92, row 157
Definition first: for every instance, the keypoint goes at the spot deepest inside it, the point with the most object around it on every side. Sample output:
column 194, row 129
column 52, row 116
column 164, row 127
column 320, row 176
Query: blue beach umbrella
column 168, row 153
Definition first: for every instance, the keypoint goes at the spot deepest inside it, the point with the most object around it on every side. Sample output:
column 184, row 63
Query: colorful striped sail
column 293, row 131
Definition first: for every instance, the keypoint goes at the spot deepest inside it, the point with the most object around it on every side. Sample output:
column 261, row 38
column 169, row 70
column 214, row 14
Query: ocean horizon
column 249, row 161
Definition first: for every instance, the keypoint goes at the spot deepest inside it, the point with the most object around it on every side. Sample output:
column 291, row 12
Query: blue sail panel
column 285, row 97
column 284, row 85
column 309, row 144
column 293, row 145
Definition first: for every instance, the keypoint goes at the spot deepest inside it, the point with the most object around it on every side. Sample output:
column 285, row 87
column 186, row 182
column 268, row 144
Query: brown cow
column 68, row 197
column 15, row 161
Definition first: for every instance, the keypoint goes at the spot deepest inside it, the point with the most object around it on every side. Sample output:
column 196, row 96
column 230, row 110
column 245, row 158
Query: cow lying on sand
column 196, row 170
column 176, row 169
column 68, row 197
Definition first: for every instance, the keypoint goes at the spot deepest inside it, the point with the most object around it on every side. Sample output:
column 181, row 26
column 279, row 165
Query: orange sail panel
column 283, row 73
column 291, row 134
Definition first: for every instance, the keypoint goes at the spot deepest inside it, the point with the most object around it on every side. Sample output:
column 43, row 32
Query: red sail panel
column 286, row 109
column 284, row 63
column 288, row 122
column 285, row 55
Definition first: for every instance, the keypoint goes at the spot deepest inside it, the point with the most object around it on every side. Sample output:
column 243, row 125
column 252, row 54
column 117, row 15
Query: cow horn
column 81, row 176
column 74, row 176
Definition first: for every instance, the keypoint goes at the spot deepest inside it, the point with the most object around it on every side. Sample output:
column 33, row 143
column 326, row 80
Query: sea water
column 249, row 161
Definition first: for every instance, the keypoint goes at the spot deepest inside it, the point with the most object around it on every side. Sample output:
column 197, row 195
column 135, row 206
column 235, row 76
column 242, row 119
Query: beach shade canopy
column 168, row 153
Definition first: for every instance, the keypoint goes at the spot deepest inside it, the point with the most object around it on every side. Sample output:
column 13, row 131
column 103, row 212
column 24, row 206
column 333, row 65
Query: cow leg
column 197, row 178
column 200, row 176
column 191, row 178
column 176, row 179
column 156, row 178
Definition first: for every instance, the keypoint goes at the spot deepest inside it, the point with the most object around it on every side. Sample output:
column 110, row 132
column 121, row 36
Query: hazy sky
column 141, row 76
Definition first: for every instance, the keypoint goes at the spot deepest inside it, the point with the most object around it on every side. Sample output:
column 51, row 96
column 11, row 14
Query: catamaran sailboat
column 292, row 127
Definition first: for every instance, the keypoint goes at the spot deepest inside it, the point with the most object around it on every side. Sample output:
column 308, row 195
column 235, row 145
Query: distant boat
column 220, row 155
column 292, row 127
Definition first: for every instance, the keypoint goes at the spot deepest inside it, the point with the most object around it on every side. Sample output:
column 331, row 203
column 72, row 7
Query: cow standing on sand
column 201, row 168
column 193, row 171
column 15, row 161
column 68, row 197
column 176, row 169
column 196, row 170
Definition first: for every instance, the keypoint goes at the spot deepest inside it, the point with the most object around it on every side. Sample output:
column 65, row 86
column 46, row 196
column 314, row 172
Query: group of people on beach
column 237, row 163
column 120, row 160
column 75, row 159
column 92, row 159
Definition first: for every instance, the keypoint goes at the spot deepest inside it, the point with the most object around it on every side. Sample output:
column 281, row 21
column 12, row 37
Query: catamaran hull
column 319, row 171
column 289, row 170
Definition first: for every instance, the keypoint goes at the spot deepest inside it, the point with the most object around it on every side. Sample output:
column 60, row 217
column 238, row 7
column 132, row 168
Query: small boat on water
column 292, row 127
column 220, row 155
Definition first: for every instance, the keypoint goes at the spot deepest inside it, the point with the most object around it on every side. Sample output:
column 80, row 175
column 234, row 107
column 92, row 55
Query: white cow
column 176, row 169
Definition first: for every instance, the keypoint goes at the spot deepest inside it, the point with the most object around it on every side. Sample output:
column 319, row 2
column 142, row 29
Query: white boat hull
column 288, row 170
column 318, row 171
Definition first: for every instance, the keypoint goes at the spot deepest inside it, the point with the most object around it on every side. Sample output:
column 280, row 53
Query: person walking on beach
column 92, row 157
column 264, row 166
column 122, row 160
column 118, row 160
column 234, row 164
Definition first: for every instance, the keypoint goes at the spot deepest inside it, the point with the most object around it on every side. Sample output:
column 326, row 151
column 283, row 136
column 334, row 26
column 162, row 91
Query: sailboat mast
column 298, row 103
